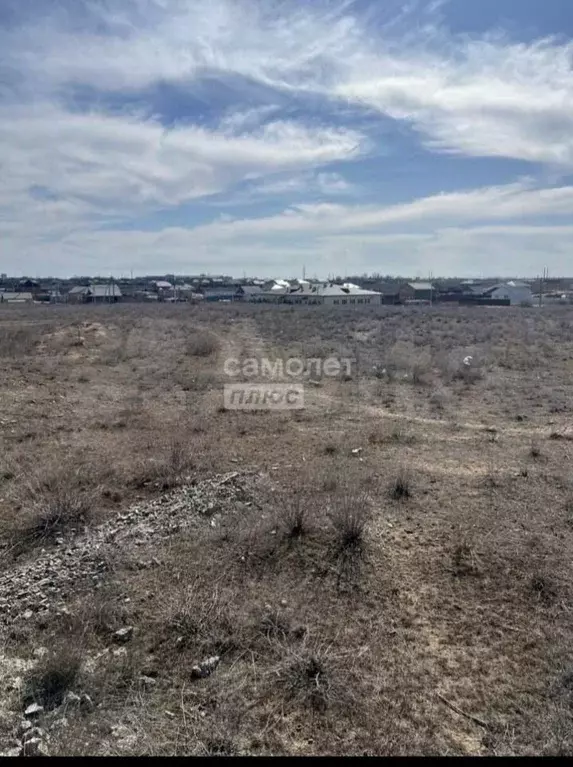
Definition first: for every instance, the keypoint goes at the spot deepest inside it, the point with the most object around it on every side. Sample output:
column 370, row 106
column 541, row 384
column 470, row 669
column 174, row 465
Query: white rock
column 205, row 668
column 73, row 699
column 24, row 726
column 86, row 702
column 16, row 751
column 124, row 634
column 34, row 747
column 34, row 732
column 34, row 709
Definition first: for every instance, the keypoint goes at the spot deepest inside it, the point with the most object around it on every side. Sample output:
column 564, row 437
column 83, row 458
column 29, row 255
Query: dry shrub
column 558, row 435
column 165, row 471
column 535, row 450
column 349, row 517
column 407, row 362
column 316, row 678
column 202, row 344
column 401, row 488
column 50, row 506
column 49, row 681
column 18, row 340
column 306, row 678
column 464, row 560
column 119, row 352
column 382, row 435
column 293, row 518
column 439, row 399
column 201, row 617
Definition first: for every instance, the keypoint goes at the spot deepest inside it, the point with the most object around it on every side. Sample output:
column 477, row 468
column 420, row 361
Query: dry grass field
column 387, row 571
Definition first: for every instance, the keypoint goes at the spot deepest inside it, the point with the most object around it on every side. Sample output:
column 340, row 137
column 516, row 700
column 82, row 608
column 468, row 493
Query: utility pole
column 541, row 282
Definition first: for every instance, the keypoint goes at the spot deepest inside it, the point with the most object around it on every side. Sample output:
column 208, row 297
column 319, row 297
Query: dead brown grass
column 340, row 591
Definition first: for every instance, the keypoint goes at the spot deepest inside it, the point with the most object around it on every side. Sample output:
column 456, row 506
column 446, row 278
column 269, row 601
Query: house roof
column 344, row 290
column 505, row 285
column 421, row 285
column 386, row 288
column 251, row 290
column 214, row 292
column 77, row 290
column 12, row 296
column 104, row 291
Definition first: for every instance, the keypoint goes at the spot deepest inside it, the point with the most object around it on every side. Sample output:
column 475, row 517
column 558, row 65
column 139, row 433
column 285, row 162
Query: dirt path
column 245, row 341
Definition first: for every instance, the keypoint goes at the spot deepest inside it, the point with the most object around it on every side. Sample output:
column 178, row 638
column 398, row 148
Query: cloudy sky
column 260, row 136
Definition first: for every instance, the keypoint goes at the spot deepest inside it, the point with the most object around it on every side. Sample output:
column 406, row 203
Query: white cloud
column 95, row 164
column 481, row 97
column 474, row 251
column 510, row 202
column 475, row 232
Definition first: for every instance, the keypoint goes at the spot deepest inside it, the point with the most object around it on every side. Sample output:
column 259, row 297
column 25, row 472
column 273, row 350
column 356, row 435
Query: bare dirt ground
column 386, row 571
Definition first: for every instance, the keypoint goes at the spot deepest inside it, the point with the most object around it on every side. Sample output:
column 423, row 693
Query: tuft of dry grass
column 349, row 517
column 401, row 487
column 535, row 450
column 53, row 676
column 18, row 340
column 49, row 506
column 294, row 518
column 171, row 466
column 202, row 344
column 305, row 676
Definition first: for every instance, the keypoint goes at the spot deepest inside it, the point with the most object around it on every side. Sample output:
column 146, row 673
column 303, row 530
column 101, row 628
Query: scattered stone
column 34, row 732
column 123, row 634
column 14, row 684
column 73, row 699
column 357, row 451
column 34, row 710
column 34, row 747
column 147, row 681
column 16, row 751
column 24, row 726
column 284, row 602
column 206, row 668
column 27, row 615
column 86, row 702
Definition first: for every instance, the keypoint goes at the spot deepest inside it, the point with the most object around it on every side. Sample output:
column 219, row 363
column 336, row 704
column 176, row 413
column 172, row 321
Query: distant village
column 350, row 291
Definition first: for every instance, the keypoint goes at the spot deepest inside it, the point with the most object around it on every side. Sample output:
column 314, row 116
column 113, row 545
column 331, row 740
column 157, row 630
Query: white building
column 9, row 297
column 518, row 293
column 311, row 293
column 348, row 295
